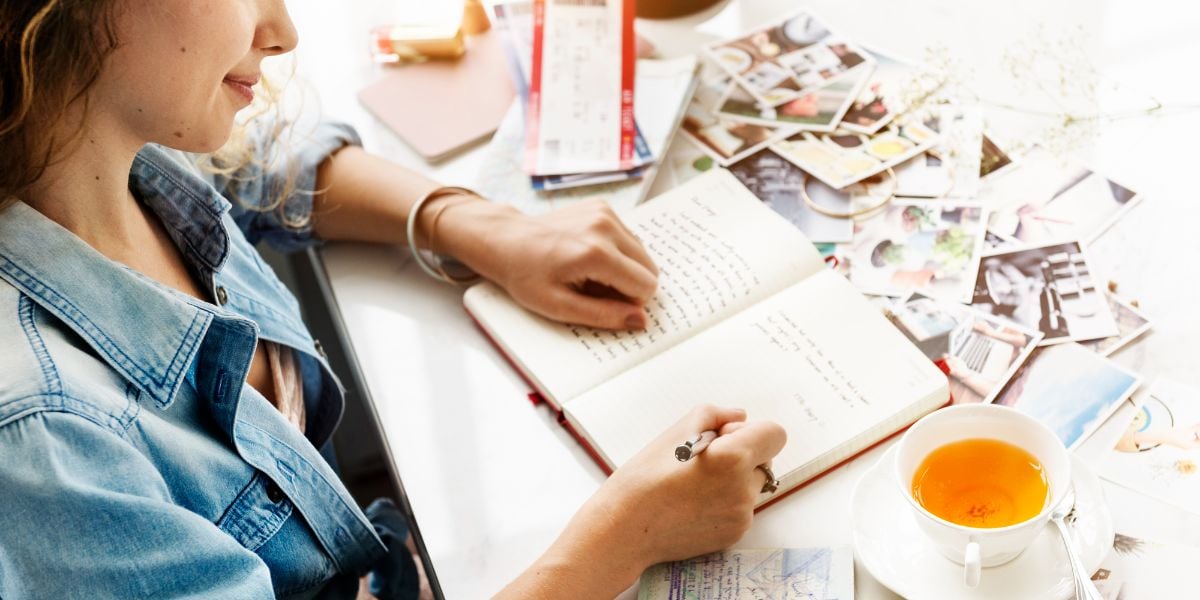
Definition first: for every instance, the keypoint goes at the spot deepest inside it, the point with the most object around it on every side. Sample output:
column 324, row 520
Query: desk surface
column 492, row 479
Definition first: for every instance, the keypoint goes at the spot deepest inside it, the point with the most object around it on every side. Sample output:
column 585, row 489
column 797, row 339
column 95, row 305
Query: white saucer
column 892, row 548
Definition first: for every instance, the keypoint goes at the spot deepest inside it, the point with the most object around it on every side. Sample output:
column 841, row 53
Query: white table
column 492, row 479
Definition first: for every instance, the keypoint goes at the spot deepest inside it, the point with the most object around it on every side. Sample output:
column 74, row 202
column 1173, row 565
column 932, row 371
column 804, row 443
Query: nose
column 276, row 34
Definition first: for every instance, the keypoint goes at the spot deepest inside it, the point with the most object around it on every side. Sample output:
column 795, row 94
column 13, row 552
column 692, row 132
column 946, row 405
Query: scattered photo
column 932, row 248
column 981, row 351
column 725, row 139
column 781, row 62
column 951, row 168
column 1052, row 198
column 821, row 110
column 993, row 159
column 1138, row 569
column 779, row 184
column 1048, row 288
column 1131, row 324
column 1070, row 389
column 885, row 94
column 1159, row 453
column 842, row 158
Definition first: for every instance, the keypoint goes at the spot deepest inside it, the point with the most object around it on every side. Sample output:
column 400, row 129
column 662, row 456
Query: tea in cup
column 982, row 481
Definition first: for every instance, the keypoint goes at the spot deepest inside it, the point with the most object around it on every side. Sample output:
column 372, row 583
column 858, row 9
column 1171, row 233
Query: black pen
column 694, row 446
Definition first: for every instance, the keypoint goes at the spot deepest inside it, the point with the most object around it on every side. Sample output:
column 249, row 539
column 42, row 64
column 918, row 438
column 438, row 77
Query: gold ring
column 772, row 484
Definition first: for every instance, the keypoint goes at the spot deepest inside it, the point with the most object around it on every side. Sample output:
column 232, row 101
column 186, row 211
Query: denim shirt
column 134, row 459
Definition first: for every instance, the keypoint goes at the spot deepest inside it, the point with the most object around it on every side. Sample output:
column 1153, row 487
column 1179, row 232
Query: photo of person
column 1048, row 288
column 778, row 184
column 1070, row 389
column 928, row 247
column 1159, row 452
column 1131, row 324
column 981, row 351
column 1054, row 198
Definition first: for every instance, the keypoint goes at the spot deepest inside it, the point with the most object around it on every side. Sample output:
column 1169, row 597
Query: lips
column 243, row 85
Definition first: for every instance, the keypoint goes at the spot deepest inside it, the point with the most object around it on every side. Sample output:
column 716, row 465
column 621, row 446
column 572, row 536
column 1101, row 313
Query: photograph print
column 1048, row 288
column 981, row 352
column 1070, row 389
column 781, row 62
column 931, row 248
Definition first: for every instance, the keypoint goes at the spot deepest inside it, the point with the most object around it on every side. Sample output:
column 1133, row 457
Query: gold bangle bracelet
column 852, row 214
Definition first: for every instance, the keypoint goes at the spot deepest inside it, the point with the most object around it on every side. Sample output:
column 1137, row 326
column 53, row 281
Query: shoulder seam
column 60, row 406
column 25, row 313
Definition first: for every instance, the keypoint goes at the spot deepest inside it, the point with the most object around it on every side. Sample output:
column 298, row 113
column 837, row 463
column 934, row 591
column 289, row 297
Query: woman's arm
column 549, row 263
column 655, row 509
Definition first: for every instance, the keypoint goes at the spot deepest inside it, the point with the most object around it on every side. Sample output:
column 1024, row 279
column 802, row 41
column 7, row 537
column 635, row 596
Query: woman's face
column 184, row 68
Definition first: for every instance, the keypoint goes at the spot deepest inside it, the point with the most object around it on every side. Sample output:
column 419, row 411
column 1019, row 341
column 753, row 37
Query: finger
column 571, row 306
column 761, row 440
column 731, row 427
column 629, row 244
column 709, row 417
column 614, row 269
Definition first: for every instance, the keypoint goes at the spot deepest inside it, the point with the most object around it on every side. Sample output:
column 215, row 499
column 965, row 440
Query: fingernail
column 635, row 321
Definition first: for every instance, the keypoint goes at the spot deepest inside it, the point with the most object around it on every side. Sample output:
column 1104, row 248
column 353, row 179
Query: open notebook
column 746, row 315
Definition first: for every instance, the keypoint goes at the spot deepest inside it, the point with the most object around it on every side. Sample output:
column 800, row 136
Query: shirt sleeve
column 272, row 193
column 82, row 510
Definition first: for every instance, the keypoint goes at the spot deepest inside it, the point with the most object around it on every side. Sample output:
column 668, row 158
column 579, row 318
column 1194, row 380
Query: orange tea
column 981, row 483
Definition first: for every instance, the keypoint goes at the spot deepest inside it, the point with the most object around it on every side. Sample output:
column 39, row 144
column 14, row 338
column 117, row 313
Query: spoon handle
column 1084, row 588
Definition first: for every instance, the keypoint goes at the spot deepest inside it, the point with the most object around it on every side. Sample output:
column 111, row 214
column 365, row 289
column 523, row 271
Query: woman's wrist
column 466, row 228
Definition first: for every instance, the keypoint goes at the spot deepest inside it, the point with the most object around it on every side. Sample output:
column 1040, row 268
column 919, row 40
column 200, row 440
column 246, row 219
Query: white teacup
column 974, row 547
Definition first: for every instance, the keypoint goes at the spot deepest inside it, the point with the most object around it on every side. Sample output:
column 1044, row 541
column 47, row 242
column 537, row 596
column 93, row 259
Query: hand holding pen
column 695, row 445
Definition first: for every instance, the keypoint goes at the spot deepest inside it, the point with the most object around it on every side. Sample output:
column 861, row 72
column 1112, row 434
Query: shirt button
column 320, row 349
column 274, row 494
column 222, row 296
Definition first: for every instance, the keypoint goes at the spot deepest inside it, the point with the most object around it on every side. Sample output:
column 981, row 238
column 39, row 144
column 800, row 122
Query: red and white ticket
column 580, row 117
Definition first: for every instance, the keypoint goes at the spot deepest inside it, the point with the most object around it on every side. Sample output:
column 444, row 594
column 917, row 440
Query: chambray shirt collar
column 146, row 332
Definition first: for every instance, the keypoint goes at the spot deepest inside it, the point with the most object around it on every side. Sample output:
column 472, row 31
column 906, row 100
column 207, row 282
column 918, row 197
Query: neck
column 87, row 191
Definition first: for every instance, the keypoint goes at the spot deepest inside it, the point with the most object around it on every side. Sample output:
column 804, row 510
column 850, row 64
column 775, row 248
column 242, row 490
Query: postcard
column 725, row 139
column 1052, row 198
column 1070, row 389
column 932, row 248
column 1138, row 568
column 981, row 351
column 789, row 59
column 778, row 573
column 1131, row 324
column 1159, row 453
column 779, row 184
column 842, row 158
column 821, row 110
column 1049, row 288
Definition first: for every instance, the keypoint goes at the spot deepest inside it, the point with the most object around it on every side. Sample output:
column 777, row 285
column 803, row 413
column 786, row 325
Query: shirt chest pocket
column 265, row 522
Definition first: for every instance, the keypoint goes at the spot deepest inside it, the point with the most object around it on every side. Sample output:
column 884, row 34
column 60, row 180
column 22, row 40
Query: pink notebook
column 441, row 106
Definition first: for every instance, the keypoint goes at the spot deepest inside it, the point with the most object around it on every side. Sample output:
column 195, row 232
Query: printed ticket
column 580, row 116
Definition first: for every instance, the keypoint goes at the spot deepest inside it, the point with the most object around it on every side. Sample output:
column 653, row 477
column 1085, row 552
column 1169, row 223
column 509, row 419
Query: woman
column 162, row 405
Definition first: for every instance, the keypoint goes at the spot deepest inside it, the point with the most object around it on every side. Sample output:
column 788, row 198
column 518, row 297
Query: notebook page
column 816, row 358
column 718, row 249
